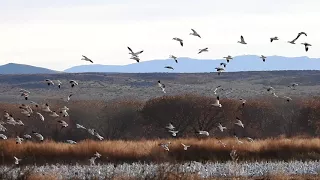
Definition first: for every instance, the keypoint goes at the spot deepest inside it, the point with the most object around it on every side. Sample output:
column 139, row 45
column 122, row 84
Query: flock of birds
column 45, row 108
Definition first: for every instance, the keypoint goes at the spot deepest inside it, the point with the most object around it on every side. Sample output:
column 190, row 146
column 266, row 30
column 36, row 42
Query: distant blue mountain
column 187, row 65
column 13, row 68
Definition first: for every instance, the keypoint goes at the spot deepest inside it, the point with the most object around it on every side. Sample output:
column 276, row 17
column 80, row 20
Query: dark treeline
column 134, row 119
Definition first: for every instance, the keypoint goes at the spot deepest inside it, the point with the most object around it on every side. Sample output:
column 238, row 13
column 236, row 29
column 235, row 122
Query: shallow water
column 150, row 170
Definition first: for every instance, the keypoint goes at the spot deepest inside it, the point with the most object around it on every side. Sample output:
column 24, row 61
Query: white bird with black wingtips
column 203, row 50
column 85, row 58
column 179, row 40
column 134, row 54
column 162, row 86
column 274, row 39
column 242, row 41
column 221, row 127
column 228, row 58
column 263, row 58
column 239, row 123
column 194, row 33
column 174, row 57
column 217, row 102
column 185, row 147
column 306, row 46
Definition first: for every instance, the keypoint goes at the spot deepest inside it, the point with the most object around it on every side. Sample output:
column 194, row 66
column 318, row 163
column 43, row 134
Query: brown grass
column 148, row 150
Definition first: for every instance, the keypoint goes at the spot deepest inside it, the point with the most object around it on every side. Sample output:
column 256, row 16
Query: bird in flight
column 169, row 67
column 194, row 33
column 185, row 147
column 178, row 39
column 242, row 41
column 306, row 46
column 221, row 127
column 203, row 50
column 86, row 59
column 217, row 102
column 263, row 58
column 274, row 39
column 295, row 39
column 219, row 70
column 162, row 86
column 136, row 58
column 174, row 57
column 228, row 58
column 239, row 123
column 206, row 133
column 223, row 64
column 134, row 53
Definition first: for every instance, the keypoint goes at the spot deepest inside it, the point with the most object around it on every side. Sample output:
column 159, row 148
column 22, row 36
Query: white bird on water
column 242, row 41
column 194, row 33
column 217, row 102
column 179, row 40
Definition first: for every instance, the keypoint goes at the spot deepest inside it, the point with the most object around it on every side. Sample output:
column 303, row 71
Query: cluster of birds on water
column 42, row 110
column 45, row 108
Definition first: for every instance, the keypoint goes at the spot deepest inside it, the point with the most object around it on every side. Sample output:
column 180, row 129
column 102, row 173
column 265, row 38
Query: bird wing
column 130, row 50
column 195, row 32
column 242, row 39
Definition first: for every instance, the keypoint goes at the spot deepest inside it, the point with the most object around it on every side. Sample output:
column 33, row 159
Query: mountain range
column 184, row 65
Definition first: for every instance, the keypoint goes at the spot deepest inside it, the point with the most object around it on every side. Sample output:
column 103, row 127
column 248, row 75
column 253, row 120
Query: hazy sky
column 55, row 33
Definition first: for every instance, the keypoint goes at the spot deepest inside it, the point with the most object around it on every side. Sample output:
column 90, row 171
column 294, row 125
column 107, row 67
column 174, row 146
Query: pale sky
column 55, row 33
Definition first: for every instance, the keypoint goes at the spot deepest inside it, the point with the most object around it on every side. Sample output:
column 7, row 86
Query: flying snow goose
column 228, row 58
column 215, row 90
column 49, row 82
column 92, row 160
column 73, row 83
column 3, row 136
column 242, row 41
column 84, row 58
column 263, row 58
column 238, row 140
column 185, row 147
column 221, row 127
column 79, row 126
column 222, row 143
column 239, row 123
column 25, row 95
column 98, row 155
column 174, row 133
column 217, row 102
column 206, row 133
column 274, row 94
column 162, row 86
column 54, row 114
column 91, row 131
column 134, row 53
column 165, row 146
column 20, row 123
column 59, row 84
column 25, row 112
column 38, row 135
column 243, row 101
column 194, row 33
column 295, row 39
column 2, row 128
column 170, row 127
column 27, row 136
column 174, row 57
column 288, row 99
column 250, row 139
column 63, row 124
column 135, row 58
column 71, row 141
column 16, row 160
column 46, row 108
column 169, row 67
column 306, row 46
column 223, row 64
column 203, row 50
column 64, row 113
column 270, row 89
column 99, row 136
column 274, row 39
column 40, row 116
column 24, row 91
column 19, row 140
column 64, row 108
column 179, row 40
column 219, row 70
column 11, row 121
column 69, row 97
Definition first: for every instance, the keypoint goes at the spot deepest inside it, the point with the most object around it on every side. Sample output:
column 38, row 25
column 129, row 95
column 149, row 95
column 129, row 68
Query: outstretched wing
column 241, row 37
column 130, row 50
